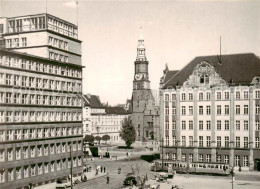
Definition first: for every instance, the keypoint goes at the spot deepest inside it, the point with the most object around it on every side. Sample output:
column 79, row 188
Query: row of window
column 17, row 62
column 207, row 96
column 27, row 171
column 40, row 83
column 15, row 42
column 37, row 99
column 58, row 57
column 202, row 158
column 38, row 116
column 25, row 152
column 208, row 125
column 58, row 43
column 209, row 141
column 208, row 110
column 25, row 134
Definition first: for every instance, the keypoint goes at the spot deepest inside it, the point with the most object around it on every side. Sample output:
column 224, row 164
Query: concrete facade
column 41, row 110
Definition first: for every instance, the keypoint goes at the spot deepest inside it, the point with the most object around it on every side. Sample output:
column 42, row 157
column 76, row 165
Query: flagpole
column 46, row 5
column 77, row 11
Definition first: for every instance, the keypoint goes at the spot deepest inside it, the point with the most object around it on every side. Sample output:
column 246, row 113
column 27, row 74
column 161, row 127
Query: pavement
column 90, row 176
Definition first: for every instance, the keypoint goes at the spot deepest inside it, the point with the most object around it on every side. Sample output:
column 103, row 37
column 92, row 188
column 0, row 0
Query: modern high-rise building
column 211, row 111
column 40, row 99
column 145, row 113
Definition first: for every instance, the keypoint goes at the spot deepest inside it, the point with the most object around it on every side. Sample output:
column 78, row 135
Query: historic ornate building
column 210, row 111
column 145, row 113
column 40, row 99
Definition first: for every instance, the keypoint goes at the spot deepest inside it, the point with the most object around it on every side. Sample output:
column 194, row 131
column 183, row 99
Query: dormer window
column 204, row 79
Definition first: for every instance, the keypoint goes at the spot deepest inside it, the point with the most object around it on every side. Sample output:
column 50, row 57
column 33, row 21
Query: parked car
column 129, row 180
column 63, row 183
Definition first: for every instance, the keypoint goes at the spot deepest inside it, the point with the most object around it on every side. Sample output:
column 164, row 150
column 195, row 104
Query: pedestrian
column 107, row 179
column 104, row 169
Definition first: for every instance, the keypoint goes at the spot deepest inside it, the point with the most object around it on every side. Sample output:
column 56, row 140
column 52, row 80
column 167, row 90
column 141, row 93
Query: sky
column 174, row 32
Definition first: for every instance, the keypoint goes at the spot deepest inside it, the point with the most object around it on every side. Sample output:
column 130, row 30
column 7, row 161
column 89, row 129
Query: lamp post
column 162, row 152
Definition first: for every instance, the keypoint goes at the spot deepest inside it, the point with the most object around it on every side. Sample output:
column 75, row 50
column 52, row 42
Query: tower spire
column 140, row 48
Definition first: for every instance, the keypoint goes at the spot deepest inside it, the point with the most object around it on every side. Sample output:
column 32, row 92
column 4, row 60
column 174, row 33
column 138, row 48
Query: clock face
column 138, row 76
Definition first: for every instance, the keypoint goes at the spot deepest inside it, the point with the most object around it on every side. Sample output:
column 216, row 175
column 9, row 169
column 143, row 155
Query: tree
column 106, row 138
column 89, row 138
column 98, row 138
column 128, row 132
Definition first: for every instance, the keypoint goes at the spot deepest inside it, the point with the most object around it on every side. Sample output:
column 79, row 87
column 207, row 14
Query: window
column 245, row 161
column 200, row 125
column 218, row 141
column 183, row 140
column 166, row 106
column 208, row 158
column 257, row 109
column 201, row 157
column 218, row 109
column 226, row 125
column 190, row 125
column 173, row 96
column 166, row 97
column 208, row 110
column 257, row 94
column 24, row 41
column 218, row 95
column 226, row 109
column 208, row 125
column 174, row 141
column 200, row 96
column 173, row 125
column 183, row 110
column 257, row 125
column 174, row 156
column 226, row 141
column 183, row 157
column 200, row 141
column 174, row 110
column 218, row 158
column 208, row 95
column 190, row 110
column 237, row 142
column 208, row 141
column 226, row 159
column 190, row 140
column 245, row 125
column 237, row 160
column 167, row 125
column 226, row 95
column 257, row 143
column 167, row 140
column 200, row 110
column 245, row 94
column 219, row 125
column 237, row 95
column 183, row 125
column 190, row 96
column 245, row 142
column 8, row 79
column 237, row 125
column 245, row 109
column 183, row 97
column 237, row 109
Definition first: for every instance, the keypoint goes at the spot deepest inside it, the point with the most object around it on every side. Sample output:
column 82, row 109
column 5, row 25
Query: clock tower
column 144, row 114
column 141, row 77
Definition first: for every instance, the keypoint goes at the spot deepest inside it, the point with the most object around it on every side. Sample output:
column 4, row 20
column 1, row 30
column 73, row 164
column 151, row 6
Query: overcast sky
column 174, row 32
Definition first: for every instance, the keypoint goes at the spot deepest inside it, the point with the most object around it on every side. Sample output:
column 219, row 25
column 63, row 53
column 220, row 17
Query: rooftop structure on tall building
column 40, row 99
column 210, row 111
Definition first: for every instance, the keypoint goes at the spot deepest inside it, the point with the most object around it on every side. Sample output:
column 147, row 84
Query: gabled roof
column 93, row 101
column 169, row 75
column 238, row 68
column 116, row 110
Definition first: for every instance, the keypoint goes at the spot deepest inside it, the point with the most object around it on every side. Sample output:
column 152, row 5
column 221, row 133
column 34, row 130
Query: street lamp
column 71, row 166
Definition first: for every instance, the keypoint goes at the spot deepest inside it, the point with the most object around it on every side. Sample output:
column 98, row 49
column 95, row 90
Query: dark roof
column 238, row 68
column 93, row 101
column 116, row 110
column 170, row 74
